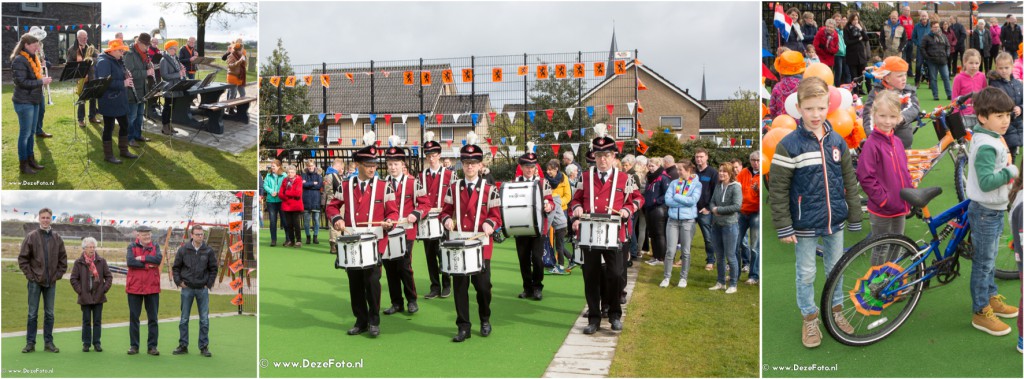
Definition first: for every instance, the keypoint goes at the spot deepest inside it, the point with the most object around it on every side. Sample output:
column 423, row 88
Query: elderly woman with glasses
column 91, row 279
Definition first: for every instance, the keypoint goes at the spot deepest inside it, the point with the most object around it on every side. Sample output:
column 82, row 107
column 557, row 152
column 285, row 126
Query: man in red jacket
column 437, row 179
column 413, row 204
column 143, row 287
column 531, row 248
column 366, row 202
column 479, row 211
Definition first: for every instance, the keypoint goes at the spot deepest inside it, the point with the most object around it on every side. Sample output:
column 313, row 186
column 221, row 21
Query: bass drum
column 521, row 209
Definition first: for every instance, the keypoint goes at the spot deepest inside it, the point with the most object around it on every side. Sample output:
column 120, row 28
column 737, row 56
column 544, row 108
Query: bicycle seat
column 919, row 197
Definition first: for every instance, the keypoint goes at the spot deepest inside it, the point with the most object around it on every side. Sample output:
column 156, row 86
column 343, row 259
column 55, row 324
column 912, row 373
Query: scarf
column 554, row 181
column 36, row 68
column 143, row 54
column 92, row 265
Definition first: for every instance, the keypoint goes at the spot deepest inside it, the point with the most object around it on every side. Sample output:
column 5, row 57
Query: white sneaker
column 718, row 286
column 664, row 283
column 731, row 290
column 752, row 282
column 654, row 262
column 682, row 283
column 746, row 268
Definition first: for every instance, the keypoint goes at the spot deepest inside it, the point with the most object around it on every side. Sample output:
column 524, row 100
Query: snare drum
column 577, row 254
column 600, row 231
column 429, row 228
column 357, row 252
column 521, row 209
column 462, row 257
column 396, row 244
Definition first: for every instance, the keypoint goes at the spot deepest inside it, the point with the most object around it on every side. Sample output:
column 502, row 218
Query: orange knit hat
column 894, row 64
column 790, row 63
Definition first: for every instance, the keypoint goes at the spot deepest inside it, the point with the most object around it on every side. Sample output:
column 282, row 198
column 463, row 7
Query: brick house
column 57, row 42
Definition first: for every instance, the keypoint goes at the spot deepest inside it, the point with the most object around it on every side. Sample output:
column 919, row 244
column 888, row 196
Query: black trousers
column 93, row 109
column 135, row 304
column 656, row 223
column 437, row 278
column 165, row 115
column 108, row 127
column 92, row 321
column 610, row 274
column 293, row 228
column 482, row 285
column 399, row 273
column 364, row 290
column 531, row 262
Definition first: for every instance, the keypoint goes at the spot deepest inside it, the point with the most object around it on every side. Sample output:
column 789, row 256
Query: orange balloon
column 784, row 121
column 768, row 143
column 853, row 112
column 841, row 122
column 820, row 70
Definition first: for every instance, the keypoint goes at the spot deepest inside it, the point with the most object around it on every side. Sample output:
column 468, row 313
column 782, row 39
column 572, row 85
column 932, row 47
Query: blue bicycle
column 879, row 281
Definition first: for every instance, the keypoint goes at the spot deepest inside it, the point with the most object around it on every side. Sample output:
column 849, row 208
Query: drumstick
column 478, row 235
column 402, row 221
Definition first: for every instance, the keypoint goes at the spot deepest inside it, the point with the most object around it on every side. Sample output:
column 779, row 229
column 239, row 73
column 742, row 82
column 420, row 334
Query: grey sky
column 676, row 39
column 134, row 205
column 144, row 16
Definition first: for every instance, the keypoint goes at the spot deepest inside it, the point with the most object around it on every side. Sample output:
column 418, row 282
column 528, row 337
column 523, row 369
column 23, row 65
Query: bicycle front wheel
column 858, row 290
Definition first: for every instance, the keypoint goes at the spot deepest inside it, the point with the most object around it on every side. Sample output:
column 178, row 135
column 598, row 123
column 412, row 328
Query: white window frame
column 447, row 133
column 662, row 122
column 32, row 7
column 333, row 133
column 618, row 128
column 405, row 130
column 372, row 127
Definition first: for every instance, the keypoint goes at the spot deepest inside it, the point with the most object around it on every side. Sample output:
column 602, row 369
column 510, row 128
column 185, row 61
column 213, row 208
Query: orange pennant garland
column 289, row 81
column 235, row 226
column 308, row 79
column 446, row 76
column 236, row 265
column 235, row 207
column 425, row 78
column 640, row 85
column 560, row 71
column 275, row 81
column 542, row 72
column 496, row 74
column 467, row 75
column 236, row 247
column 620, row 67
column 407, row 78
column 523, row 70
column 599, row 69
column 641, row 147
column 579, row 70
column 236, row 284
column 325, row 81
column 238, row 300
column 351, row 78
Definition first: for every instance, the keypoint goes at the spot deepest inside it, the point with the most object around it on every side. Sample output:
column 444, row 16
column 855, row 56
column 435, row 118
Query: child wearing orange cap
column 790, row 66
column 893, row 74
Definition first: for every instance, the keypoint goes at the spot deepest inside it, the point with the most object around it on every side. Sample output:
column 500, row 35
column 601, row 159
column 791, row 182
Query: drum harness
column 440, row 184
column 351, row 203
column 611, row 199
column 480, row 198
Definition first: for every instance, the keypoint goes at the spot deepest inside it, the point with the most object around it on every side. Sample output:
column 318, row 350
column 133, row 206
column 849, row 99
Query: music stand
column 181, row 86
column 75, row 70
column 92, row 90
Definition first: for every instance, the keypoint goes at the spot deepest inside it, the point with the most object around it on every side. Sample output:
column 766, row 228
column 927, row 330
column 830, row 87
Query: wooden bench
column 241, row 103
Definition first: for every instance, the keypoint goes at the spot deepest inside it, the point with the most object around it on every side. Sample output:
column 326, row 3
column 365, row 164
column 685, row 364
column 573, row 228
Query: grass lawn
column 689, row 332
column 232, row 342
column 924, row 344
column 184, row 166
column 67, row 312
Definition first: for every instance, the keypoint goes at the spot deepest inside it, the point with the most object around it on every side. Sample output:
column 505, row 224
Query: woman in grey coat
column 725, row 231
column 171, row 72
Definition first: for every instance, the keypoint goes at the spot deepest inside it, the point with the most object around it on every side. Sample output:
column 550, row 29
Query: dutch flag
column 782, row 22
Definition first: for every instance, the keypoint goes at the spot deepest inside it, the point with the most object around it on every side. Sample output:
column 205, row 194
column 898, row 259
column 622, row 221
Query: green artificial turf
column 232, row 343
column 305, row 312
column 936, row 341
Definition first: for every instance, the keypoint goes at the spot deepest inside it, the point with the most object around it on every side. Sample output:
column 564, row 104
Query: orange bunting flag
column 467, row 75
column 236, row 247
column 238, row 300
column 407, row 78
column 542, row 72
column 639, row 107
column 579, row 70
column 235, row 226
column 446, row 77
column 639, row 129
column 325, row 81
column 275, row 81
column 351, row 78
column 620, row 67
column 641, row 147
column 235, row 207
column 640, row 85
column 249, row 193
column 308, row 79
column 496, row 74
column 236, row 284
column 425, row 78
column 598, row 69
column 289, row 81
column 235, row 266
column 560, row 72
column 523, row 70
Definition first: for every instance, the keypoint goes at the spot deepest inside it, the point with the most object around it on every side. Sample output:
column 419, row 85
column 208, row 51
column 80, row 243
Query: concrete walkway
column 119, row 324
column 583, row 356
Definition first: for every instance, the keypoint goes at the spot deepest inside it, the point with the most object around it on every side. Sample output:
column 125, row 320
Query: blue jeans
column 933, row 72
column 806, row 269
column 274, row 210
column 725, row 238
column 920, row 65
column 750, row 228
column 28, row 116
column 202, row 298
column 136, row 115
column 39, row 120
column 48, row 293
column 704, row 223
column 908, row 56
column 311, row 218
column 986, row 229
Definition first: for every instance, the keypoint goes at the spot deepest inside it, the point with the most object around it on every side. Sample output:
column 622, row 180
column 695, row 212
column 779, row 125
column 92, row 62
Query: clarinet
column 131, row 91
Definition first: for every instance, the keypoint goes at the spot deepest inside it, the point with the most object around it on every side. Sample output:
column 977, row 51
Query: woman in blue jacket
column 272, row 185
column 312, row 182
column 681, row 197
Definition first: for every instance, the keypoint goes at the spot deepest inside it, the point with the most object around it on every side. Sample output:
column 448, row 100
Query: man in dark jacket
column 708, row 179
column 935, row 53
column 921, row 29
column 961, row 40
column 43, row 261
column 136, row 61
column 1010, row 35
column 143, row 288
column 195, row 268
column 312, row 182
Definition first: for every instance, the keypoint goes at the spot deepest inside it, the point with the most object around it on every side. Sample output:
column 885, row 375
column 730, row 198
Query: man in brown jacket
column 43, row 260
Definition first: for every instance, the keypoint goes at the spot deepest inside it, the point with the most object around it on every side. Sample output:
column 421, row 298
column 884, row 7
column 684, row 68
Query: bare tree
column 222, row 14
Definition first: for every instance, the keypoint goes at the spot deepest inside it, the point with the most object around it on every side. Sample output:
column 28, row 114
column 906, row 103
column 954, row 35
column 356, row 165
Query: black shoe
column 153, row 351
column 461, row 336
column 205, row 351
column 591, row 328
column 133, row 350
column 85, row 348
column 315, row 241
column 181, row 349
column 432, row 294
column 629, row 263
column 445, row 292
column 51, row 348
column 307, row 240
column 616, row 325
column 413, row 308
column 622, row 299
column 356, row 330
column 98, row 348
column 374, row 330
column 273, row 243
column 537, row 295
column 523, row 295
column 29, row 348
column 485, row 329
column 394, row 309
column 44, row 135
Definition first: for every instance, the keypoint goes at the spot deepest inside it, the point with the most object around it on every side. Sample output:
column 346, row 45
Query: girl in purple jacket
column 882, row 172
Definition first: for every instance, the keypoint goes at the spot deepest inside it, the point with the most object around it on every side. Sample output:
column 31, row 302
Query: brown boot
column 25, row 168
column 94, row 120
column 81, row 123
column 108, row 152
column 167, row 130
column 811, row 335
column 837, row 314
column 32, row 162
column 122, row 145
column 999, row 306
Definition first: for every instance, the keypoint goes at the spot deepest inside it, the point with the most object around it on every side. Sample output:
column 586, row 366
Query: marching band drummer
column 437, row 179
column 472, row 193
column 592, row 196
column 351, row 208
column 413, row 204
column 531, row 249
